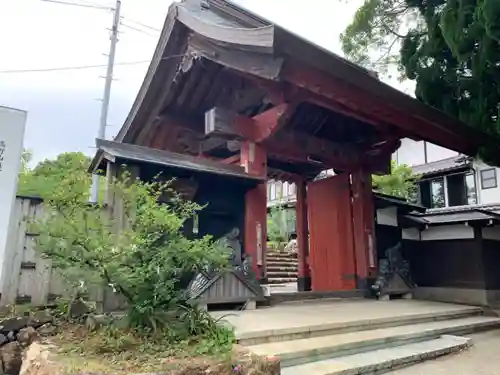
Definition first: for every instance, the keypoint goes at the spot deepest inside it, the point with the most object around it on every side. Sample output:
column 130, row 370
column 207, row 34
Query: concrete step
column 281, row 280
column 287, row 268
column 297, row 352
column 383, row 360
column 332, row 328
column 281, row 274
column 281, row 256
column 271, row 265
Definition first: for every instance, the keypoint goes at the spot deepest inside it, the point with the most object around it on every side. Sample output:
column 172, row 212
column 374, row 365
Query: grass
column 110, row 350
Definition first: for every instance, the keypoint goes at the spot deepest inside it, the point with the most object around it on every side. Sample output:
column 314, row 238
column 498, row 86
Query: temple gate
column 227, row 85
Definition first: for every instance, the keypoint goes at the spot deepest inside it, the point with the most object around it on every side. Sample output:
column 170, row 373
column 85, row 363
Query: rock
column 78, row 309
column 11, row 355
column 3, row 339
column 36, row 361
column 40, row 318
column 47, row 329
column 13, row 324
column 27, row 336
column 11, row 336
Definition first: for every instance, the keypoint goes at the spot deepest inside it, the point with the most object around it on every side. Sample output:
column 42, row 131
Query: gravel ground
column 483, row 358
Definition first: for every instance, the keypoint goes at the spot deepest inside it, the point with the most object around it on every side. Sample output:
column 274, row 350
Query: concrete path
column 481, row 359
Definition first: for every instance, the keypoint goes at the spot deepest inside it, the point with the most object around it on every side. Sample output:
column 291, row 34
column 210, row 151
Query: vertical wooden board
column 13, row 285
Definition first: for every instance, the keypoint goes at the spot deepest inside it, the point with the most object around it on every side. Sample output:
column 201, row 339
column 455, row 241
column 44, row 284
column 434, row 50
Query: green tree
column 278, row 225
column 148, row 260
column 46, row 176
column 400, row 183
column 449, row 47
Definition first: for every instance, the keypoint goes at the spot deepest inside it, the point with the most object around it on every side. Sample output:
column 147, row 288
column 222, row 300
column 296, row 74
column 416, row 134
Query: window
column 432, row 193
column 488, row 178
column 437, row 193
column 470, row 186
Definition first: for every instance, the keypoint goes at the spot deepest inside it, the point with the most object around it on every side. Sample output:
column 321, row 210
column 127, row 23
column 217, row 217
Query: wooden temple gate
column 229, row 86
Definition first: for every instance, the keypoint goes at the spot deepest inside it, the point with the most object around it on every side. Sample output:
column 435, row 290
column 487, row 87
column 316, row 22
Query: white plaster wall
column 387, row 216
column 491, row 233
column 486, row 196
column 12, row 125
column 411, row 234
column 444, row 232
column 412, row 153
column 447, row 232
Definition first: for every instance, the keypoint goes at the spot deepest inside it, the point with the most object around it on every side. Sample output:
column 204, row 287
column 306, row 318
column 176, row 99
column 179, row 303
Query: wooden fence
column 29, row 278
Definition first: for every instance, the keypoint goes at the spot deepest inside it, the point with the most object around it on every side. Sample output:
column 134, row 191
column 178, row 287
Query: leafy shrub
column 136, row 246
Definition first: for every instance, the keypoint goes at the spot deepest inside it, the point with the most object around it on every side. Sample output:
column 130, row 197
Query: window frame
column 481, row 172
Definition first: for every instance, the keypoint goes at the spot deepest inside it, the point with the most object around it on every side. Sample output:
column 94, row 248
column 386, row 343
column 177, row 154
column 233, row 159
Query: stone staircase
column 373, row 346
column 281, row 267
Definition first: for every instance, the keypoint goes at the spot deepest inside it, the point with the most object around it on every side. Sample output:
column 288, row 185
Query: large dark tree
column 449, row 47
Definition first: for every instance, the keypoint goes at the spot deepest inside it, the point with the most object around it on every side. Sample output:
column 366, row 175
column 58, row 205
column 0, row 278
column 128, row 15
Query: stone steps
column 281, row 280
column 371, row 346
column 281, row 268
column 326, row 329
column 383, row 360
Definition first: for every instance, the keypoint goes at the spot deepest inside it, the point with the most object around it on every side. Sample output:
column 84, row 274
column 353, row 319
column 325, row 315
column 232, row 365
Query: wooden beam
column 305, row 148
column 222, row 122
column 338, row 91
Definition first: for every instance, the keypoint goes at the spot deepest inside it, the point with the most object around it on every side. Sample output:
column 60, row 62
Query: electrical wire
column 43, row 70
column 140, row 24
column 139, row 30
column 83, row 5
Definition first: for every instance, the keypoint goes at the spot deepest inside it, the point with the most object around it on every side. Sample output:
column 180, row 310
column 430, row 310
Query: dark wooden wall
column 386, row 237
column 491, row 261
column 447, row 263
column 223, row 198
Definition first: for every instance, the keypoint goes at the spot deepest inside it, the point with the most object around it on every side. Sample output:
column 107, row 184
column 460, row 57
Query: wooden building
column 227, row 85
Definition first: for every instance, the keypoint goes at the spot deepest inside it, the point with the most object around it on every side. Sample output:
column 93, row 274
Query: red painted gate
column 331, row 247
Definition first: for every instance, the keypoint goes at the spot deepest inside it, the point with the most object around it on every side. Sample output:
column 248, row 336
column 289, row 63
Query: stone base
column 250, row 305
column 304, row 284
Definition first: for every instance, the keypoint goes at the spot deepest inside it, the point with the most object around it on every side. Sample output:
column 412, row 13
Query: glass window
column 488, row 178
column 437, row 193
column 470, row 186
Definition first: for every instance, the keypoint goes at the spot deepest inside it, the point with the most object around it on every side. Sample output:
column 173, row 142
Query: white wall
column 413, row 153
column 12, row 125
column 486, row 196
column 443, row 232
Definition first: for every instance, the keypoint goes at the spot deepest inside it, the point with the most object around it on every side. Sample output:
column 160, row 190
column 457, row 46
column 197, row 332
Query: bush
column 141, row 253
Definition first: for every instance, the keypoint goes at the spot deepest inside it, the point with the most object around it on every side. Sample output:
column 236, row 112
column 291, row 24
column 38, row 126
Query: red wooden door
column 331, row 245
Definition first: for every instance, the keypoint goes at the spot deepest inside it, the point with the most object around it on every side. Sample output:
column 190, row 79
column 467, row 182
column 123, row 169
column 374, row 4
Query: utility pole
column 101, row 134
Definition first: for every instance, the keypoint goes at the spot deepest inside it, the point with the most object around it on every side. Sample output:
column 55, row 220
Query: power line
column 68, row 68
column 42, row 70
column 141, row 24
column 137, row 29
column 83, row 5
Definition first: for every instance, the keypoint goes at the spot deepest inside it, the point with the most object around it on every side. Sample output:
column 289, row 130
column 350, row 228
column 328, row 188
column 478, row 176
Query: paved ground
column 482, row 359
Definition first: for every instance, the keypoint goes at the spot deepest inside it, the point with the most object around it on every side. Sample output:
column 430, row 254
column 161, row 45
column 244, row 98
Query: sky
column 64, row 106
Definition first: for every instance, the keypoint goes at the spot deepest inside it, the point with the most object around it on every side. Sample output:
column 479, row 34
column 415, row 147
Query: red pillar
column 254, row 160
column 364, row 228
column 302, row 228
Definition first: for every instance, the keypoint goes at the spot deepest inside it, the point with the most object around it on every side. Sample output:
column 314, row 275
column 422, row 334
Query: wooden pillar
column 302, row 228
column 254, row 160
column 364, row 229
